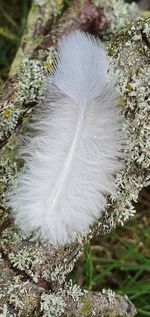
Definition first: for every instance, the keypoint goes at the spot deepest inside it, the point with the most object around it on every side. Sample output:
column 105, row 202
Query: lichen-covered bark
column 22, row 295
column 98, row 304
column 33, row 274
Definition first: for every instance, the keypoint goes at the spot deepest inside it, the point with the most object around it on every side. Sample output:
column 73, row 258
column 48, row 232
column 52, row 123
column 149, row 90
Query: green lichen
column 87, row 307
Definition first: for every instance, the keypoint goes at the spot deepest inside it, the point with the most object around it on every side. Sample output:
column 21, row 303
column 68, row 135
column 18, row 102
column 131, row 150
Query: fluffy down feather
column 73, row 151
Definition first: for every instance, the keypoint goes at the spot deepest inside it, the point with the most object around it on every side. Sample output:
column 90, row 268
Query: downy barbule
column 75, row 146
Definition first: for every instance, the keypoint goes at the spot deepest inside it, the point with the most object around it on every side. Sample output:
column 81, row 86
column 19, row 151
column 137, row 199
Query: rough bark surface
column 33, row 274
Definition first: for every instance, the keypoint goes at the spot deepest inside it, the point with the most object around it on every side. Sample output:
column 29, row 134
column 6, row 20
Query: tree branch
column 33, row 271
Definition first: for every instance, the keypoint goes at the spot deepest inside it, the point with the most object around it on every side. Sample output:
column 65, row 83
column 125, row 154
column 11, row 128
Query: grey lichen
column 128, row 63
column 9, row 117
column 57, row 5
column 60, row 271
column 24, row 261
column 28, row 90
column 136, row 126
column 15, row 300
column 11, row 237
column 146, row 29
column 3, row 311
column 74, row 291
column 40, row 2
column 121, row 14
column 52, row 305
column 110, row 295
column 31, row 77
column 7, row 171
column 118, row 14
column 18, row 297
column 21, row 259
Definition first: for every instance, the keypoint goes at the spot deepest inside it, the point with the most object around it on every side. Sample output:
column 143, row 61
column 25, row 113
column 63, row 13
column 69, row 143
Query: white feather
column 73, row 155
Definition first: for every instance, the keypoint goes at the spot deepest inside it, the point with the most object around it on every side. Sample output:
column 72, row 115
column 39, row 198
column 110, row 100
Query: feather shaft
column 59, row 184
